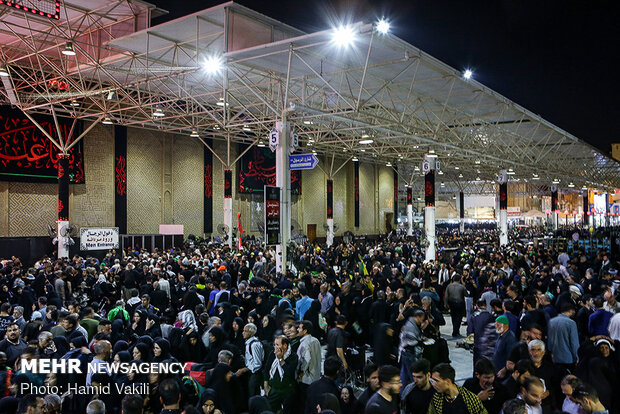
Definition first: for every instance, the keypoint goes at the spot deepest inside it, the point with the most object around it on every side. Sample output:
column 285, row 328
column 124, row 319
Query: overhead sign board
column 303, row 161
column 274, row 139
column 294, row 141
column 98, row 238
column 272, row 215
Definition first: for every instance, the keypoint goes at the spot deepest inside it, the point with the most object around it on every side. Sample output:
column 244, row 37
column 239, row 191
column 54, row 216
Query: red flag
column 240, row 231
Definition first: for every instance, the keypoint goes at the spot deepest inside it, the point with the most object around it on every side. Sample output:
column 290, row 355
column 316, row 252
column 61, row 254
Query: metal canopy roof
column 379, row 88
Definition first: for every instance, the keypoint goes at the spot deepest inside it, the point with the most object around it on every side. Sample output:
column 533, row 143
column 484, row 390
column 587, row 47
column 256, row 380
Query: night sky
column 555, row 58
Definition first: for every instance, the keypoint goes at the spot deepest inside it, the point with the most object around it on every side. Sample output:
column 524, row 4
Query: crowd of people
column 543, row 326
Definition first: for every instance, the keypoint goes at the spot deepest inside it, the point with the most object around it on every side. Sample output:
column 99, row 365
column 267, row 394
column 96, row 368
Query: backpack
column 198, row 371
column 262, row 362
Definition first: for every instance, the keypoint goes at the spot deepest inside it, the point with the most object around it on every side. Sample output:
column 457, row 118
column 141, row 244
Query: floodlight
column 355, row 159
column 571, row 185
column 247, row 128
column 535, row 177
column 343, row 36
column 260, row 144
column 467, row 74
column 194, row 133
column 74, row 102
column 389, row 164
column 4, row 71
column 107, row 121
column 510, row 171
column 69, row 51
column 383, row 26
column 212, row 64
column 158, row 113
column 366, row 141
column 556, row 181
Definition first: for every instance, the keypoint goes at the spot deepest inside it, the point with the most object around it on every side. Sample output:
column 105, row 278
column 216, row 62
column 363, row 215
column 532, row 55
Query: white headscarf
column 276, row 365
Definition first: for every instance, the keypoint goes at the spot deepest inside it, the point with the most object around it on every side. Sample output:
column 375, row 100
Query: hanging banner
column 395, row 196
column 330, row 199
column 120, row 178
column 554, row 200
column 356, row 190
column 257, row 168
column 461, row 205
column 63, row 188
column 409, row 196
column 26, row 154
column 272, row 215
column 503, row 196
column 227, row 183
column 208, row 187
column 586, row 204
column 429, row 189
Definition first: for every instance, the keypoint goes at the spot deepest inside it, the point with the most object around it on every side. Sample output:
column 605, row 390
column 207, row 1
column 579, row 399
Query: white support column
column 330, row 232
column 409, row 211
column 283, row 180
column 429, row 209
column 461, row 212
column 63, row 241
column 429, row 229
column 503, row 207
column 228, row 220
column 503, row 224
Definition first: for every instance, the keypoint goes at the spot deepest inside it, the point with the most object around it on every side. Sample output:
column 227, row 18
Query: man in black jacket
column 280, row 370
column 324, row 385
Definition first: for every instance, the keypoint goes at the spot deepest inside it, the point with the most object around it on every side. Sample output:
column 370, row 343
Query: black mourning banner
column 395, row 196
column 554, row 201
column 330, row 199
column 208, row 187
column 429, row 189
column 63, row 188
column 272, row 215
column 409, row 196
column 356, row 189
column 461, row 205
column 120, row 178
column 227, row 183
column 26, row 154
column 257, row 168
column 586, row 204
column 503, row 196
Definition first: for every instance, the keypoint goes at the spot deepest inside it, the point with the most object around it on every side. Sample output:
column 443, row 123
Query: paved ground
column 462, row 360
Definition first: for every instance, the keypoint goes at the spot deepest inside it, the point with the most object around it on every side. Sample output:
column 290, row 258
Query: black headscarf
column 120, row 346
column 258, row 405
column 165, row 350
column 62, row 345
column 267, row 333
column 207, row 395
column 144, row 351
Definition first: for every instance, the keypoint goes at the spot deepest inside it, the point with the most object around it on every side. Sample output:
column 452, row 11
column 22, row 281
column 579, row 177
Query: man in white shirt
column 99, row 364
column 532, row 392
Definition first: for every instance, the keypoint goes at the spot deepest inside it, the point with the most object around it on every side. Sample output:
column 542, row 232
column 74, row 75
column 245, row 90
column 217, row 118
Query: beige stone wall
column 165, row 184
column 145, row 156
column 368, row 201
column 92, row 204
column 187, row 184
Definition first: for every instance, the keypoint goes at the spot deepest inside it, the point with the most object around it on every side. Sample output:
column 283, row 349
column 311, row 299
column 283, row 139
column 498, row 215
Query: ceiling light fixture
column 194, row 133
column 68, row 50
column 247, row 128
column 343, row 36
column 4, row 71
column 355, row 159
column 158, row 113
column 74, row 102
column 366, row 141
column 107, row 120
column 383, row 26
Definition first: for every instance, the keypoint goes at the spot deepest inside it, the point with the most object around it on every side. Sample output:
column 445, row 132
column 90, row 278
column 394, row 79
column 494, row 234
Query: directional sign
column 303, row 161
column 274, row 139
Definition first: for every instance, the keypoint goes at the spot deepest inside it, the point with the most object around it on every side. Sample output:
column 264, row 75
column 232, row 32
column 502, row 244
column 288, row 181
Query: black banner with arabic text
column 208, row 187
column 120, row 178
